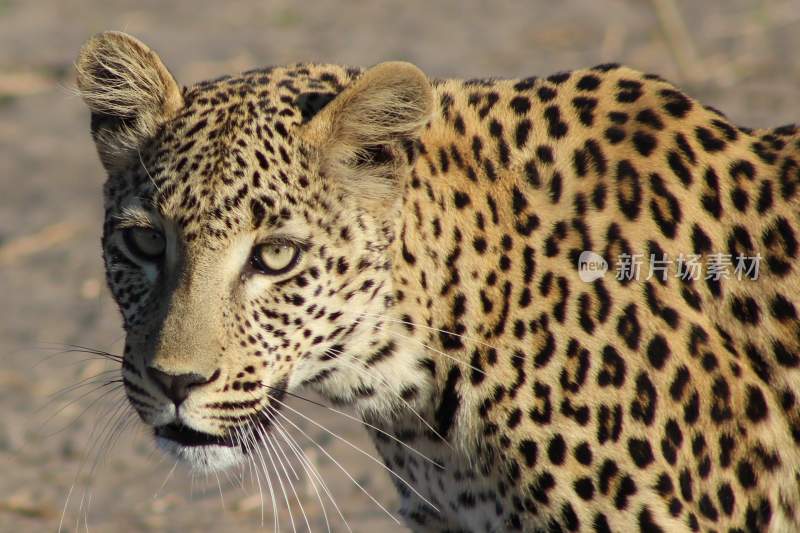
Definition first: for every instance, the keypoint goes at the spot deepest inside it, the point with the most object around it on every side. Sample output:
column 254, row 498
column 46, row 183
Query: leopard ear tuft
column 362, row 132
column 129, row 92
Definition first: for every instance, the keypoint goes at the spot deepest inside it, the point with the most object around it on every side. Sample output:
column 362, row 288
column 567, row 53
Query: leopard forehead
column 230, row 159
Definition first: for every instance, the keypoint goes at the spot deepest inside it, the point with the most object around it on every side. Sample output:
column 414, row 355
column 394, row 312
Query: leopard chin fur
column 408, row 248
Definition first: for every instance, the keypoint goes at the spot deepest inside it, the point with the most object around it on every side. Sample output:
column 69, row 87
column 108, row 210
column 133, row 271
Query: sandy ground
column 739, row 56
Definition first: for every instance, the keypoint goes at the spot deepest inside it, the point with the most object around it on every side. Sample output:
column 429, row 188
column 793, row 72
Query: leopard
column 414, row 250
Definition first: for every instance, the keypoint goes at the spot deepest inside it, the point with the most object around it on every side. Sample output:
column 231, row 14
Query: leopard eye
column 273, row 258
column 144, row 243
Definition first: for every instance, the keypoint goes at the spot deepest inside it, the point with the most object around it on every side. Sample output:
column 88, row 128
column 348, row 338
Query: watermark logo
column 591, row 266
column 687, row 267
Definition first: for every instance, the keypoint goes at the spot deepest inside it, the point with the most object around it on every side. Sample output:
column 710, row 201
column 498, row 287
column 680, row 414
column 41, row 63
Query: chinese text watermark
column 687, row 267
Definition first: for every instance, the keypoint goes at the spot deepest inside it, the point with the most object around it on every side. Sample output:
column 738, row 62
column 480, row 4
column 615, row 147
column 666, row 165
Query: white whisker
column 429, row 347
column 164, row 483
column 275, row 448
column 385, row 382
column 78, row 472
column 139, row 154
column 304, row 463
column 265, row 470
column 372, row 426
column 219, row 485
column 117, row 386
column 338, row 464
column 366, row 454
column 430, row 328
column 283, row 489
column 317, row 475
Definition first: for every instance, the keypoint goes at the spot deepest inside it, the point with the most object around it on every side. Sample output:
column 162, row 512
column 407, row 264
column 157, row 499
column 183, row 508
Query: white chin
column 207, row 459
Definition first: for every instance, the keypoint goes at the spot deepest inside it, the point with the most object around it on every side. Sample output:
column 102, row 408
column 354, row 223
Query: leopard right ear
column 362, row 131
column 129, row 91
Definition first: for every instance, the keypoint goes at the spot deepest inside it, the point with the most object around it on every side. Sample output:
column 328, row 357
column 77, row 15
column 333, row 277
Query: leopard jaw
column 204, row 459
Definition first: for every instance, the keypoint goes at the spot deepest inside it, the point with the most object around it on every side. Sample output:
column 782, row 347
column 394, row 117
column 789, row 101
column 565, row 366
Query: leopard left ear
column 362, row 132
column 129, row 92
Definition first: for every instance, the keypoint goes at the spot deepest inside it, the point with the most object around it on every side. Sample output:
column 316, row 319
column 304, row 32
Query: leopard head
column 248, row 231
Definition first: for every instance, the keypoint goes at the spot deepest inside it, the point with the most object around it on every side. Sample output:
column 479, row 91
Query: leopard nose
column 176, row 386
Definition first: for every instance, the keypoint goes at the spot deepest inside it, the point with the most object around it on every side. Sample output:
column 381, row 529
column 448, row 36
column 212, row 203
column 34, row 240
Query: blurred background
column 740, row 56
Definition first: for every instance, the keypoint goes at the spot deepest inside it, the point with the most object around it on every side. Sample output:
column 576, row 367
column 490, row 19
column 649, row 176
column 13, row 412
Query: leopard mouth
column 186, row 436
column 184, row 441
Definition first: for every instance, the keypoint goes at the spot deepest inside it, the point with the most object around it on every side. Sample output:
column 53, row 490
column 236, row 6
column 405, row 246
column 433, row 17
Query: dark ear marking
column 312, row 103
column 379, row 154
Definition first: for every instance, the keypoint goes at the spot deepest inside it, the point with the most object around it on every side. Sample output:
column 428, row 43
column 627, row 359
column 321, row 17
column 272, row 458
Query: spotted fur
column 437, row 293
